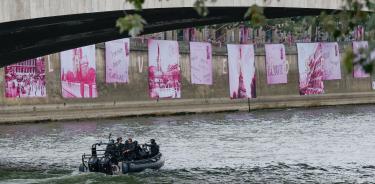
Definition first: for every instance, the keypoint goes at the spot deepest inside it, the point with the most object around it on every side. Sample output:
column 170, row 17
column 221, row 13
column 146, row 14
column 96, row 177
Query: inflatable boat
column 105, row 161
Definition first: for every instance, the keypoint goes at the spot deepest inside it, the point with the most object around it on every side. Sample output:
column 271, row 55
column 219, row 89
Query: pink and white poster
column 164, row 70
column 310, row 66
column 276, row 64
column 358, row 71
column 331, row 63
column 78, row 73
column 117, row 54
column 241, row 64
column 26, row 79
column 201, row 63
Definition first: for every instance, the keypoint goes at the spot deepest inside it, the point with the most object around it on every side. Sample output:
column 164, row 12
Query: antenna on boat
column 109, row 137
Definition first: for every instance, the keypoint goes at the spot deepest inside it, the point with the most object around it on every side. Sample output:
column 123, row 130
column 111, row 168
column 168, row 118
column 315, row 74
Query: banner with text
column 78, row 73
column 331, row 63
column 276, row 64
column 241, row 64
column 201, row 63
column 164, row 70
column 358, row 71
column 26, row 79
column 117, row 54
column 310, row 66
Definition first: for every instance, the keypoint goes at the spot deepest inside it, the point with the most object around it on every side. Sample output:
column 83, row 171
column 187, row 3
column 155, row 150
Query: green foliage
column 133, row 24
column 137, row 4
column 201, row 8
column 255, row 15
column 339, row 24
column 348, row 60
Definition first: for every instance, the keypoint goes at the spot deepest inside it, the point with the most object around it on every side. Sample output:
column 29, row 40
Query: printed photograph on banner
column 331, row 63
column 78, row 73
column 164, row 70
column 201, row 63
column 26, row 79
column 372, row 56
column 241, row 64
column 117, row 54
column 276, row 64
column 310, row 66
column 358, row 71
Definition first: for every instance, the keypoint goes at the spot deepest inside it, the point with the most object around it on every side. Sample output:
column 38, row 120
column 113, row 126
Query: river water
column 316, row 145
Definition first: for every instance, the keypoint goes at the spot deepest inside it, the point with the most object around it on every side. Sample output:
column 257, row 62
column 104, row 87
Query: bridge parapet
column 12, row 10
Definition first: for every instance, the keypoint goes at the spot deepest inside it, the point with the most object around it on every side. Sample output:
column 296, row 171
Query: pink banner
column 276, row 64
column 241, row 63
column 164, row 71
column 78, row 73
column 310, row 66
column 331, row 64
column 117, row 54
column 358, row 71
column 201, row 63
column 26, row 79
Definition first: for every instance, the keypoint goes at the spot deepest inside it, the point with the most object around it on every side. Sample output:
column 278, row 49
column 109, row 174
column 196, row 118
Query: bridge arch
column 38, row 27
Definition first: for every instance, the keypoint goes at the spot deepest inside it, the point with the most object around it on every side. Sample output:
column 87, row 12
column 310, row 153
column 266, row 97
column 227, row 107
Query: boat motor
column 93, row 164
column 105, row 165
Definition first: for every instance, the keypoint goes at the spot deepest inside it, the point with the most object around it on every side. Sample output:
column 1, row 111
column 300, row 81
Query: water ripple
column 315, row 145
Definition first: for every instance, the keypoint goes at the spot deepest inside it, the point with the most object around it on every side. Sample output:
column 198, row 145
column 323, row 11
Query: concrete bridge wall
column 11, row 10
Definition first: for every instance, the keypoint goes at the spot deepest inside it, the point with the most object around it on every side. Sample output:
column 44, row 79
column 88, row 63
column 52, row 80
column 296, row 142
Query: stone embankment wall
column 132, row 99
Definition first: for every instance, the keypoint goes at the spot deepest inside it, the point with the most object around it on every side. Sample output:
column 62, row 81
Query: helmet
column 152, row 141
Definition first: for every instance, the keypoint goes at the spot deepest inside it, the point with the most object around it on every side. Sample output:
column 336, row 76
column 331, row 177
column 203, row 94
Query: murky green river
column 317, row 145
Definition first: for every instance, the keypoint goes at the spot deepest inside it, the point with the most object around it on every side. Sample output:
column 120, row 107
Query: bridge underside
column 32, row 38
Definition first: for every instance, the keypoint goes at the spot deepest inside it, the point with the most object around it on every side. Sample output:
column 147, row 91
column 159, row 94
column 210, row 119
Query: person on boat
column 142, row 152
column 130, row 149
column 119, row 147
column 154, row 148
column 110, row 149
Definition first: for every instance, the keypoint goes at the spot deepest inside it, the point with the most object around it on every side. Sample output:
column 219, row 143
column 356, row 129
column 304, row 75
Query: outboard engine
column 105, row 165
column 93, row 164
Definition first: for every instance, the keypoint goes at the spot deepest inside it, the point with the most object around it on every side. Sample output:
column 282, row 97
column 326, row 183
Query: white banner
column 310, row 66
column 241, row 62
column 78, row 73
column 164, row 70
column 117, row 54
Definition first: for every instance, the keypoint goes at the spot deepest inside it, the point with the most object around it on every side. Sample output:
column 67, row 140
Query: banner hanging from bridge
column 78, row 73
column 201, row 63
column 26, row 79
column 331, row 63
column 358, row 71
column 241, row 64
column 310, row 66
column 276, row 64
column 117, row 54
column 164, row 70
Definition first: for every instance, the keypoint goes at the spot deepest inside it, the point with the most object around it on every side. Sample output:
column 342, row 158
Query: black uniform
column 131, row 147
column 154, row 148
column 119, row 148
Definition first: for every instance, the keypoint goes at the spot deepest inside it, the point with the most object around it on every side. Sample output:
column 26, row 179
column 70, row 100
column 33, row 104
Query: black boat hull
column 155, row 163
column 125, row 167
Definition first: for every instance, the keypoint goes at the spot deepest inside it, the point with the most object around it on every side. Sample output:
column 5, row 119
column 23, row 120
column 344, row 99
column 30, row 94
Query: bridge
column 33, row 28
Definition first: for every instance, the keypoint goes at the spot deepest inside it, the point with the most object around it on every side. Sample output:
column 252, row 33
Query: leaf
column 133, row 24
column 368, row 67
column 201, row 8
column 137, row 4
column 256, row 16
column 348, row 60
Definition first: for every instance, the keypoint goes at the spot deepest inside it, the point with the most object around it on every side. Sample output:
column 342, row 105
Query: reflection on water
column 319, row 145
